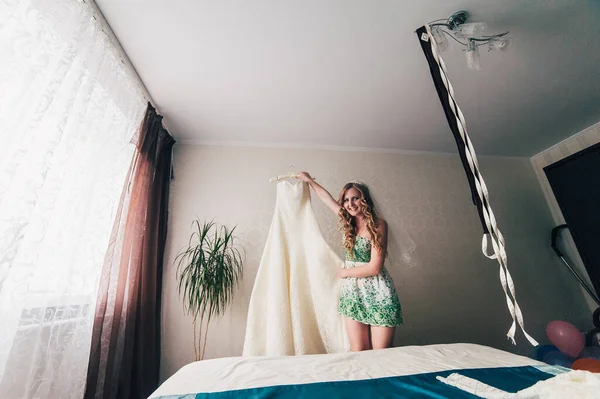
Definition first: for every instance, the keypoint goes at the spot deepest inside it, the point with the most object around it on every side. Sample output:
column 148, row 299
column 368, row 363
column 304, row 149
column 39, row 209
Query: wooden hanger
column 290, row 175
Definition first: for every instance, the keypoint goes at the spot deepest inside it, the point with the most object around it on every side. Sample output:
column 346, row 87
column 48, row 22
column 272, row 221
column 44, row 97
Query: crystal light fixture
column 470, row 35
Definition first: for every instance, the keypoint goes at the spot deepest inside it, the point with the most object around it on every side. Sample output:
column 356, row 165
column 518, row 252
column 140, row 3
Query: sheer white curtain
column 69, row 106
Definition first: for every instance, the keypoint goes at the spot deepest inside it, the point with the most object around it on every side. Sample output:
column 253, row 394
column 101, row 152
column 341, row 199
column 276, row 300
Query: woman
column 368, row 299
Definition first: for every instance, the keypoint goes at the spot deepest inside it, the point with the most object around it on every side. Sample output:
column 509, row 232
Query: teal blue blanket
column 510, row 379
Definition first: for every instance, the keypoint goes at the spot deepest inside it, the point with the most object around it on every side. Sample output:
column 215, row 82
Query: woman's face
column 351, row 203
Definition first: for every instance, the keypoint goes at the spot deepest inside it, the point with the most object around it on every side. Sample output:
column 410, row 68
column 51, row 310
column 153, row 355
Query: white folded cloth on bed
column 572, row 384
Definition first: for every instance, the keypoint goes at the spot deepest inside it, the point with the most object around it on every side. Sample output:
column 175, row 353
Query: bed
column 405, row 372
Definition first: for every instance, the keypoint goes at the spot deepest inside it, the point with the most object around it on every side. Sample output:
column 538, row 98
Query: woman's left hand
column 342, row 273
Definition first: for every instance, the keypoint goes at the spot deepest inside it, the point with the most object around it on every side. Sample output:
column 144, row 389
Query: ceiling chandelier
column 470, row 35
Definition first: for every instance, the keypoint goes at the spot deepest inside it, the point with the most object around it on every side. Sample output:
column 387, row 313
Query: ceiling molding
column 300, row 146
column 586, row 136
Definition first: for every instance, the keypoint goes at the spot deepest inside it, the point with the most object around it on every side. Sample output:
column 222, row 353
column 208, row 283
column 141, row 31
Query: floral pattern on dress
column 371, row 300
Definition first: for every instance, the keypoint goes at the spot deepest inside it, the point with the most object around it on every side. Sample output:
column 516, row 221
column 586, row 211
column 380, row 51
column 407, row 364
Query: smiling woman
column 368, row 299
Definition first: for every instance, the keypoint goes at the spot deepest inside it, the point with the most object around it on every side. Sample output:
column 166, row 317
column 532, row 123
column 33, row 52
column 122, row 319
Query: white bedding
column 256, row 371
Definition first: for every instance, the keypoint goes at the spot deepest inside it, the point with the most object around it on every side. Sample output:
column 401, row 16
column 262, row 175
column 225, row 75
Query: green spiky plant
column 208, row 270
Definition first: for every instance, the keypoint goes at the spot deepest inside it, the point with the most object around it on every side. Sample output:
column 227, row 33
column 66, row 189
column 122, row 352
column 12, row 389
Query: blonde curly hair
column 348, row 222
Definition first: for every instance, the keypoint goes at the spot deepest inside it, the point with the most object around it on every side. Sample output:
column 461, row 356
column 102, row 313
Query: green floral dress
column 371, row 300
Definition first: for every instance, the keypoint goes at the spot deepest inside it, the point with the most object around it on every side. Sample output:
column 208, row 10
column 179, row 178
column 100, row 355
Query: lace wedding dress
column 293, row 307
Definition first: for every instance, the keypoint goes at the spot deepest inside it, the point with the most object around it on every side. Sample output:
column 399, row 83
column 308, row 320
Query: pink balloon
column 566, row 337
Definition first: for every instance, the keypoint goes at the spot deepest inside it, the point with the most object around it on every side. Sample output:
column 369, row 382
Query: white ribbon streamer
column 495, row 236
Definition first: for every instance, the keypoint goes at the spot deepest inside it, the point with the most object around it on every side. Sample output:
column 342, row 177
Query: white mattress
column 231, row 373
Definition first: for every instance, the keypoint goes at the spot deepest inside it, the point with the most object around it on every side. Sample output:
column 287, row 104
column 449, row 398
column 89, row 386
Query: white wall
column 565, row 148
column 454, row 295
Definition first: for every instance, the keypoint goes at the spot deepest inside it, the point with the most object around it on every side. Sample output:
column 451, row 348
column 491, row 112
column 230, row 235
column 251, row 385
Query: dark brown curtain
column 125, row 352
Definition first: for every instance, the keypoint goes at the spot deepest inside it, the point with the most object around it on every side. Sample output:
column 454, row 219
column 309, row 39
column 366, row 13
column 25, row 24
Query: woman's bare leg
column 358, row 334
column 382, row 337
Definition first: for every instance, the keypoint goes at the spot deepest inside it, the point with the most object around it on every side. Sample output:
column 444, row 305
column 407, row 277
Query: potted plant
column 208, row 271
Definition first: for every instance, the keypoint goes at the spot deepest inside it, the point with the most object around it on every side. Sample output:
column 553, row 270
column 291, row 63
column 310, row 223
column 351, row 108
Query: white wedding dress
column 293, row 307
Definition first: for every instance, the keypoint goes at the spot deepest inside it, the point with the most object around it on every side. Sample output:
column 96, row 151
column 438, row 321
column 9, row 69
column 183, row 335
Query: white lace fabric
column 68, row 109
column 572, row 384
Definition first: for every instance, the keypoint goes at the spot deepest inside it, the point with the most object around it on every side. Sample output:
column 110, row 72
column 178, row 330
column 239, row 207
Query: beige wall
column 454, row 295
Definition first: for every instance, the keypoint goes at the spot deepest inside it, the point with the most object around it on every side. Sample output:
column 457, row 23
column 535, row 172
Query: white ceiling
column 351, row 73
